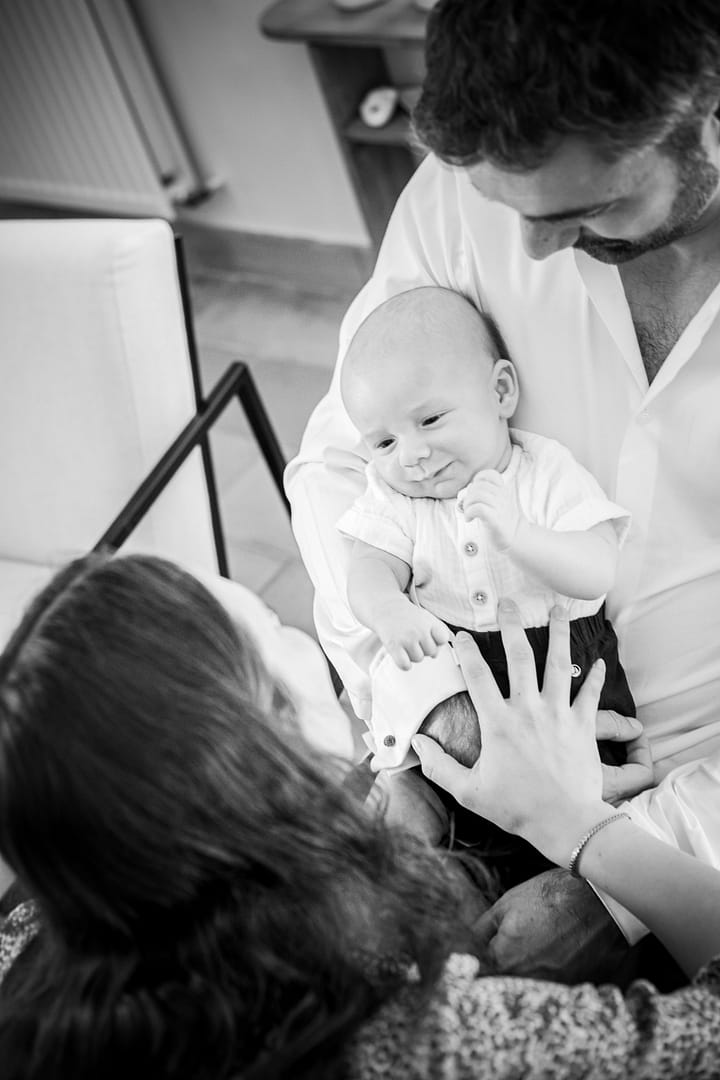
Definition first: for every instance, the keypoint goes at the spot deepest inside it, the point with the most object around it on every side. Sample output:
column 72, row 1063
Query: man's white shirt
column 655, row 450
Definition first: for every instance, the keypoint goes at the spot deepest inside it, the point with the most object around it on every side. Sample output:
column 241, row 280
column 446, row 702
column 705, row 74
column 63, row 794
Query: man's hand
column 408, row 632
column 621, row 782
column 489, row 498
column 553, row 927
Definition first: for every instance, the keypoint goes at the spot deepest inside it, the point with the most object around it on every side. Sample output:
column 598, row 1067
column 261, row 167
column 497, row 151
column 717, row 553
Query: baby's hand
column 495, row 503
column 409, row 632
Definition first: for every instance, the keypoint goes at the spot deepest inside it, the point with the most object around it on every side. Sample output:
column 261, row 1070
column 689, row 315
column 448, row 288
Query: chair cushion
column 96, row 384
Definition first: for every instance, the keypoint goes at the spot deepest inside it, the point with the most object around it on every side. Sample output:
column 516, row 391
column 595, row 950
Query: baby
column 461, row 509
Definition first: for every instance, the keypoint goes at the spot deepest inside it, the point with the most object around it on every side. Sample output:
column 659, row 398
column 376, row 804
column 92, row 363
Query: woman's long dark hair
column 213, row 902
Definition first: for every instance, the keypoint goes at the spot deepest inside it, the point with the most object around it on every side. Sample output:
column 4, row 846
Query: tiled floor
column 289, row 340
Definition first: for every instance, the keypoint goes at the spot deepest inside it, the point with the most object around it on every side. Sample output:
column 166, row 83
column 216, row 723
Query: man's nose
column 543, row 238
column 412, row 450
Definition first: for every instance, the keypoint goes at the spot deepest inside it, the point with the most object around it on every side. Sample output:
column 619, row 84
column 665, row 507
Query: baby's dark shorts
column 591, row 638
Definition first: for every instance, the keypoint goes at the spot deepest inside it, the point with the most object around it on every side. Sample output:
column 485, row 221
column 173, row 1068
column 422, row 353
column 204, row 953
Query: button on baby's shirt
column 479, row 597
column 470, row 548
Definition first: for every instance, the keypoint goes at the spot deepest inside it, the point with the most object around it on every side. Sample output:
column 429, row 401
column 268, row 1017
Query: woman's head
column 210, row 892
column 132, row 744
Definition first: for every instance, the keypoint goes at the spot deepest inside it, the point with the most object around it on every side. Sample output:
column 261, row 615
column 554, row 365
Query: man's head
column 428, row 385
column 593, row 119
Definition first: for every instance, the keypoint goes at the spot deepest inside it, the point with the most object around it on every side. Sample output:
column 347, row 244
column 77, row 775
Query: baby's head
column 427, row 383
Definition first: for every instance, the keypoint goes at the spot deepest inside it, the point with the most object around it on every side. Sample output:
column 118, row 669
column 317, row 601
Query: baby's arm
column 580, row 564
column 376, row 594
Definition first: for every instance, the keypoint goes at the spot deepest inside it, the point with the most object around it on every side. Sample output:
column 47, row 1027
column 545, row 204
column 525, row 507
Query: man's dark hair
column 507, row 78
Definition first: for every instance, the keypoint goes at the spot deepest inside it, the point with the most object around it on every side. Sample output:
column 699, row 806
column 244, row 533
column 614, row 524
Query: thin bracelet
column 580, row 847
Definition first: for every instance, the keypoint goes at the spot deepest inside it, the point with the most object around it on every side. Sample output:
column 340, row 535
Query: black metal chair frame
column 236, row 383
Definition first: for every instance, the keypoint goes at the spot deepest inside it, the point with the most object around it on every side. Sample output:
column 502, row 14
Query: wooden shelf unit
column 349, row 52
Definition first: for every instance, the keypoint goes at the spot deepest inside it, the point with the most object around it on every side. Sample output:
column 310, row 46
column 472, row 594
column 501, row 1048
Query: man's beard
column 697, row 183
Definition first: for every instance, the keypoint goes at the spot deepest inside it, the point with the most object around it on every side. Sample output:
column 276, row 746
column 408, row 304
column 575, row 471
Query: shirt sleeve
column 383, row 518
column 502, row 1028
column 683, row 810
column 566, row 495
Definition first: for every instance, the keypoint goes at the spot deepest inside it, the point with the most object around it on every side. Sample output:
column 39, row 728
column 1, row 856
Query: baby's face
column 431, row 423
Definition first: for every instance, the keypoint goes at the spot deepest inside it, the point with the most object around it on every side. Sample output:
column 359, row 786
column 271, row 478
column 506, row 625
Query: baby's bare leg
column 410, row 800
column 453, row 724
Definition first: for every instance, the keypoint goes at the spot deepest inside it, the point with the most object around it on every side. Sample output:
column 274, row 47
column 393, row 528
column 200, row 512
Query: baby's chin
column 440, row 488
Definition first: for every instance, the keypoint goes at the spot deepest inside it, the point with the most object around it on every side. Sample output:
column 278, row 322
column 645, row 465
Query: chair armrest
column 238, row 382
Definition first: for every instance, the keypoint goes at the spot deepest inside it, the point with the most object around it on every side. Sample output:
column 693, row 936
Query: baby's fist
column 495, row 503
column 412, row 634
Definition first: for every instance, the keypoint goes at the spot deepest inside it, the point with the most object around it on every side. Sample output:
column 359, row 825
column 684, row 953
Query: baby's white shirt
column 458, row 573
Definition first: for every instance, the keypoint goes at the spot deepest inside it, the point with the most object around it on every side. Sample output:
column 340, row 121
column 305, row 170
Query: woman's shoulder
column 409, row 1036
column 498, row 1027
column 417, row 1036
column 16, row 930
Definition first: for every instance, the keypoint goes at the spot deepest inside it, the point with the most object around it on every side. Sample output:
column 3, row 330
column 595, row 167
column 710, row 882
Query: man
column 573, row 191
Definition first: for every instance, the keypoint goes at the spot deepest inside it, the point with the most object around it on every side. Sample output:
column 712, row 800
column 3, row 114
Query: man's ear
column 505, row 385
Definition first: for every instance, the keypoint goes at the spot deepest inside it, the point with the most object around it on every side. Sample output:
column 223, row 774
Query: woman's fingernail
column 462, row 637
column 505, row 605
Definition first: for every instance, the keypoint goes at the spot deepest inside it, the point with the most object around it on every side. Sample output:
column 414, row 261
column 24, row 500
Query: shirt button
column 575, row 670
column 480, row 597
column 470, row 548
column 389, row 740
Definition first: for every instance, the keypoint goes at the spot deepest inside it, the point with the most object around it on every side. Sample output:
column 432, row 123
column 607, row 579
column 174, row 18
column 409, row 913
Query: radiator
column 84, row 120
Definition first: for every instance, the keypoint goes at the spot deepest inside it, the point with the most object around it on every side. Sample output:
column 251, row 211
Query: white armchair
column 97, row 382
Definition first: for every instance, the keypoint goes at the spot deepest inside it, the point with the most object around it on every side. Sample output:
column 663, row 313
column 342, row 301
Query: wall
column 256, row 117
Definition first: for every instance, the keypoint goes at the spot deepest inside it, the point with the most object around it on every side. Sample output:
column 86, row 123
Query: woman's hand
column 539, row 773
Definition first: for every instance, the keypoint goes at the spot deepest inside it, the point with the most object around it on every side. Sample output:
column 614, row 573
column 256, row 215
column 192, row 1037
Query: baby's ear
column 506, row 386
